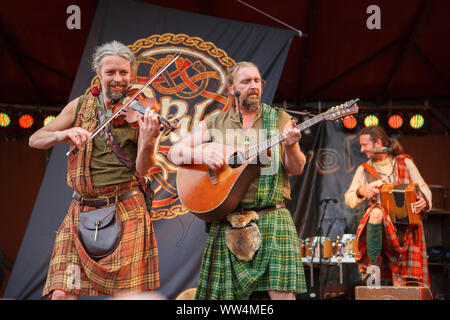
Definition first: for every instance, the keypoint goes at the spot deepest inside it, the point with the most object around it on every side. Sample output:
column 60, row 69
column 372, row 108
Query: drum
column 349, row 245
column 327, row 248
column 313, row 245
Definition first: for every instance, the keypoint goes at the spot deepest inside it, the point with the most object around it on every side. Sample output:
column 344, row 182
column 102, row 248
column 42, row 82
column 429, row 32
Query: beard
column 370, row 155
column 373, row 155
column 252, row 102
column 115, row 96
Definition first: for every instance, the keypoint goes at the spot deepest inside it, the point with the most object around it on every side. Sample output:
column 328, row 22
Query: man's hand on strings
column 213, row 158
column 291, row 135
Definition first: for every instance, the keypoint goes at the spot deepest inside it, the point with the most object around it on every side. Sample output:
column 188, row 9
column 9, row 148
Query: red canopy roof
column 408, row 58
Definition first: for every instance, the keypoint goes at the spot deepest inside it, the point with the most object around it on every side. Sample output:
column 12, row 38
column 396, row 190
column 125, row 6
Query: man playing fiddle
column 398, row 249
column 100, row 178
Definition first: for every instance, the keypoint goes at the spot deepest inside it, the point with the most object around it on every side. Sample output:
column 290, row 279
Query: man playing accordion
column 399, row 249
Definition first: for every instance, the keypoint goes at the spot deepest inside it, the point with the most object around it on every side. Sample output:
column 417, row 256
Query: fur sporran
column 243, row 238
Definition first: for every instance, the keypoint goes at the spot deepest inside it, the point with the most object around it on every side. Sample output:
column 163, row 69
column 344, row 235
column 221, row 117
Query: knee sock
column 374, row 237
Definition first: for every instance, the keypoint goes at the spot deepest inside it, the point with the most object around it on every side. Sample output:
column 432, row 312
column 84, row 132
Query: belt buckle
column 107, row 200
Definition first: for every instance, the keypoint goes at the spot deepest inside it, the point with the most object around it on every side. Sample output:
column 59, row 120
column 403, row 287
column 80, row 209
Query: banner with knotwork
column 189, row 90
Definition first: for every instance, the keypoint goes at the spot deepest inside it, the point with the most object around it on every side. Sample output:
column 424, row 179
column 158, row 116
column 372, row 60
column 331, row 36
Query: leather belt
column 265, row 210
column 268, row 209
column 104, row 201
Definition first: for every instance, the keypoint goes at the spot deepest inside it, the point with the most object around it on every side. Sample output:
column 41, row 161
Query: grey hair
column 112, row 48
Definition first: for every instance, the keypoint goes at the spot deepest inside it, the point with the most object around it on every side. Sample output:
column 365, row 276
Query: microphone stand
column 319, row 231
column 320, row 245
column 313, row 251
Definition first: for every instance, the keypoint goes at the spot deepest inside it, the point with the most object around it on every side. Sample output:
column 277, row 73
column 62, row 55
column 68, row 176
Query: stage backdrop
column 191, row 89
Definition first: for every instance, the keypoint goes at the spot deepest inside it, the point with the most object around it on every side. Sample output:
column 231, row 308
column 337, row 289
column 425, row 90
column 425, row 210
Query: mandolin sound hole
column 236, row 159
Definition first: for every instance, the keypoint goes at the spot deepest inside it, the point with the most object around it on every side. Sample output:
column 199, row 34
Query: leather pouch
column 99, row 231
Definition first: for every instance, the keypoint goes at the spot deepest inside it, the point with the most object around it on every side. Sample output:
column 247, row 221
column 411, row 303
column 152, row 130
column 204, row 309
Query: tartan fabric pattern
column 402, row 173
column 277, row 265
column 78, row 176
column 270, row 188
column 408, row 258
column 133, row 266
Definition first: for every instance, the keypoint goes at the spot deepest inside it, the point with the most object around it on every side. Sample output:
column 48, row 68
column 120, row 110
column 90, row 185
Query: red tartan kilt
column 407, row 258
column 132, row 267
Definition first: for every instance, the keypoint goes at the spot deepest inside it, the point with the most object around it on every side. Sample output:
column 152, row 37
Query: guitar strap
column 122, row 156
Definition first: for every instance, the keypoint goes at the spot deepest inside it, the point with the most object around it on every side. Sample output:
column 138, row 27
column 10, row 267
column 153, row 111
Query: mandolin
column 212, row 195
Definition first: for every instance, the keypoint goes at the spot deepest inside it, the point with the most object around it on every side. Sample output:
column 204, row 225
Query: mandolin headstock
column 342, row 110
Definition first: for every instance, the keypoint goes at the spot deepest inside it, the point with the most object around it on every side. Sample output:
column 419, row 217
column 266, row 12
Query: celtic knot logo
column 189, row 90
column 190, row 78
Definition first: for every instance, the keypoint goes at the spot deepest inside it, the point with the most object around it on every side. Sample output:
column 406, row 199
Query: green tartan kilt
column 277, row 265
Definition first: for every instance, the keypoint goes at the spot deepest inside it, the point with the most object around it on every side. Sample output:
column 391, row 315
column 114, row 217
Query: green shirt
column 230, row 120
column 105, row 168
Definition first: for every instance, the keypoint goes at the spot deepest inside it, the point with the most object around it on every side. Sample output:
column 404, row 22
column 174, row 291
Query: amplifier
column 392, row 293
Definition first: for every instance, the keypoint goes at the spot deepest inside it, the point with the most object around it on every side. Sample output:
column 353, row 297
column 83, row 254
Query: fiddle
column 136, row 109
column 121, row 108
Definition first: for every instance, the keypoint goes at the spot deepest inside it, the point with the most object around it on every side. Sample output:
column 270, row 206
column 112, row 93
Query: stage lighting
column 416, row 121
column 350, row 122
column 371, row 120
column 48, row 119
column 395, row 121
column 5, row 120
column 26, row 121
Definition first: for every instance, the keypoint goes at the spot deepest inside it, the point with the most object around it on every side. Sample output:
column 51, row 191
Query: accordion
column 398, row 202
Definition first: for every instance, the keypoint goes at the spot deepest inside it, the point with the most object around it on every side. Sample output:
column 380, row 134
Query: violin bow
column 105, row 123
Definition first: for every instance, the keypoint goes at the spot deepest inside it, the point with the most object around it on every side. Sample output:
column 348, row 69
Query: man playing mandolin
column 255, row 248
column 102, row 179
column 397, row 247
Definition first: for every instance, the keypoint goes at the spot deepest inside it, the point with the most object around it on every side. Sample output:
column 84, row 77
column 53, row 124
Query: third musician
column 399, row 249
